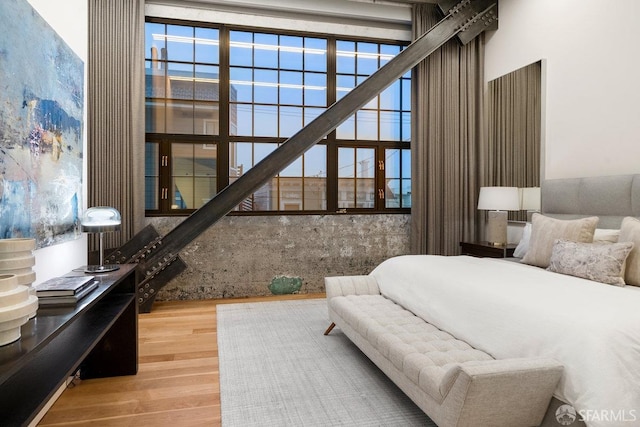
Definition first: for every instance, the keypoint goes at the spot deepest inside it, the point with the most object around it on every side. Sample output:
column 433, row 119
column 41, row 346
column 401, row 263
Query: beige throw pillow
column 630, row 232
column 545, row 230
column 600, row 262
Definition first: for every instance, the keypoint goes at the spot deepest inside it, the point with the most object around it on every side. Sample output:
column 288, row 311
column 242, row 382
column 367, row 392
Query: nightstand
column 486, row 249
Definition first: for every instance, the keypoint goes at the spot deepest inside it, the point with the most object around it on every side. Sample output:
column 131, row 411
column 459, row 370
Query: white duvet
column 508, row 309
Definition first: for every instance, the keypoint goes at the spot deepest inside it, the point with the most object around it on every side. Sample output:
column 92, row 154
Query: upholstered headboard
column 611, row 198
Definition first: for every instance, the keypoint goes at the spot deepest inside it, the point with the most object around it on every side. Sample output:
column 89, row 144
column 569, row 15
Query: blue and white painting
column 41, row 111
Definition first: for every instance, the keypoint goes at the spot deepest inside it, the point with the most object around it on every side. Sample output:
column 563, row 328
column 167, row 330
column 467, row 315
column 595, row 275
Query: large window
column 219, row 100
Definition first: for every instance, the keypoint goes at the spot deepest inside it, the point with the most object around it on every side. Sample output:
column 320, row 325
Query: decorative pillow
column 630, row 232
column 600, row 262
column 523, row 245
column 545, row 230
column 605, row 235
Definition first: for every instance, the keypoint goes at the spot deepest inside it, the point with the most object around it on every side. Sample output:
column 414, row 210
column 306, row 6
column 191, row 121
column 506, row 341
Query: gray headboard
column 609, row 197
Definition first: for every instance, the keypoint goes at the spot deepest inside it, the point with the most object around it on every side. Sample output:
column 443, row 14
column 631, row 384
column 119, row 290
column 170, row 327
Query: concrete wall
column 591, row 87
column 240, row 255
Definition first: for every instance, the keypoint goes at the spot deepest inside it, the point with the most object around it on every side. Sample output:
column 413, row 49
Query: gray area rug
column 278, row 369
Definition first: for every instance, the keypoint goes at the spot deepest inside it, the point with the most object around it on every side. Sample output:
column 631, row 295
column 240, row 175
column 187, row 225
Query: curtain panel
column 115, row 124
column 447, row 111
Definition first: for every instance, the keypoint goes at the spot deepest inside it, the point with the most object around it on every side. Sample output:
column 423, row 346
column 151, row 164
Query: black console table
column 98, row 336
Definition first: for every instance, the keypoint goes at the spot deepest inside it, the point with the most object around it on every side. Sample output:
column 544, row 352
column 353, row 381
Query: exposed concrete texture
column 240, row 255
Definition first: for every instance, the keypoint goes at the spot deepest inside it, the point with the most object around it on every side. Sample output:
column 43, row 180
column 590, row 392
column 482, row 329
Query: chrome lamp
column 498, row 200
column 101, row 219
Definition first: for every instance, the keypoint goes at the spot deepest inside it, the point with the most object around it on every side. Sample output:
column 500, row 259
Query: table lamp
column 498, row 200
column 530, row 200
column 101, row 219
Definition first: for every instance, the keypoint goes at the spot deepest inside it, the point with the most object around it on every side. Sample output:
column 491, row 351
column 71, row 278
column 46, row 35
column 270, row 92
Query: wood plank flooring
column 178, row 378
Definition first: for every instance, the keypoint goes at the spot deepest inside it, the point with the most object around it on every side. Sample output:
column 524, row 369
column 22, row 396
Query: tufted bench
column 452, row 382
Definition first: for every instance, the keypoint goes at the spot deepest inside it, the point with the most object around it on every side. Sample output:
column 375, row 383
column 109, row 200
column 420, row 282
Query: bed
column 514, row 309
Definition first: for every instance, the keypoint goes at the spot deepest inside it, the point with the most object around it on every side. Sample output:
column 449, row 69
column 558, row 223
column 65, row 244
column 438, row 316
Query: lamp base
column 101, row 268
column 497, row 228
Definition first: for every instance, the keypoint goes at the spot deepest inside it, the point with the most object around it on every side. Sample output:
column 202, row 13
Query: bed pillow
column 523, row 246
column 545, row 230
column 605, row 235
column 600, row 262
column 630, row 232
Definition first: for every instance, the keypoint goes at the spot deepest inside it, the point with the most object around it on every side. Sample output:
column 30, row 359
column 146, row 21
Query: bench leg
column 330, row 328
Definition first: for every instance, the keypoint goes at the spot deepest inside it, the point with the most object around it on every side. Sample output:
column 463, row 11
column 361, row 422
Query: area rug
column 278, row 369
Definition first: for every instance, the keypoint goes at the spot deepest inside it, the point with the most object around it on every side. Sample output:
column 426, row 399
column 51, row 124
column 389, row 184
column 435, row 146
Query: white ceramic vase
column 17, row 306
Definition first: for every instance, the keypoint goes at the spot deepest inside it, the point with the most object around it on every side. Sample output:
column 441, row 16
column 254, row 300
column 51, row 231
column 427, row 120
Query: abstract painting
column 41, row 122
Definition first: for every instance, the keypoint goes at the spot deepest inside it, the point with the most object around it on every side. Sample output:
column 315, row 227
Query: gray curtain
column 512, row 151
column 115, row 124
column 446, row 135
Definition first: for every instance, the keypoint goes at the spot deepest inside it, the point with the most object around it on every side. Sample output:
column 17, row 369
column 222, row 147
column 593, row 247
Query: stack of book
column 65, row 290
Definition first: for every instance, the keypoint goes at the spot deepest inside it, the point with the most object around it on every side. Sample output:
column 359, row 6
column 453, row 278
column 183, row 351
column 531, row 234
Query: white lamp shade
column 101, row 218
column 499, row 199
column 530, row 200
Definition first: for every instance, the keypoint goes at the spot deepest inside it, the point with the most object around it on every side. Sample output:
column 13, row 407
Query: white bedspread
column 508, row 309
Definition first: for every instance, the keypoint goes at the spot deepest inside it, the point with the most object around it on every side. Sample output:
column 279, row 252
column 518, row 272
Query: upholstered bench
column 452, row 382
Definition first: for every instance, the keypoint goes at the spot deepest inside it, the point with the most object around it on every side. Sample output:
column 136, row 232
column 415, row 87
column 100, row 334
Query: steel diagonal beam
column 466, row 19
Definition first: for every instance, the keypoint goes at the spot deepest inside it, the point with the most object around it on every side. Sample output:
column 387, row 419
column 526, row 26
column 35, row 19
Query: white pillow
column 605, row 235
column 630, row 232
column 523, row 245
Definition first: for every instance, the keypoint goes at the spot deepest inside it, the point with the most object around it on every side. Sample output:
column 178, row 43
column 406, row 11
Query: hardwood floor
column 178, row 379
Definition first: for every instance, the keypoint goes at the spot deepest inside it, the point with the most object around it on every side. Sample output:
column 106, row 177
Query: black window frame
column 224, row 138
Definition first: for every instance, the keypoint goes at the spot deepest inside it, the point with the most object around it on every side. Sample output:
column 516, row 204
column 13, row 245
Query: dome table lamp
column 498, row 200
column 101, row 219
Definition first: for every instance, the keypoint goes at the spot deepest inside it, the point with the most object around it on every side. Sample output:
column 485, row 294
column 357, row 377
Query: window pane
column 205, row 160
column 346, row 193
column 180, row 117
column 179, row 43
column 406, row 163
column 290, row 194
column 204, row 190
column 365, row 196
column 290, row 88
column 390, row 97
column 315, row 56
column 152, row 176
column 315, row 178
column 206, row 118
column 367, row 125
column 346, row 162
column 266, row 120
column 154, row 80
column 154, row 116
column 367, row 59
column 392, row 193
column 244, row 120
column 290, row 120
column 291, row 52
column 207, row 85
column 406, row 127
column 366, row 162
column 241, row 85
column 389, row 126
column 347, row 130
column 406, row 193
column 180, row 81
column 392, row 163
column 387, row 52
column 241, row 48
column 265, row 50
column 345, row 85
column 154, row 40
column 406, row 94
column 207, row 46
column 266, row 86
column 315, row 92
column 345, row 57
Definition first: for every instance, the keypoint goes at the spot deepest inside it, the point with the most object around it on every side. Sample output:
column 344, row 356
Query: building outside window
column 219, row 100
